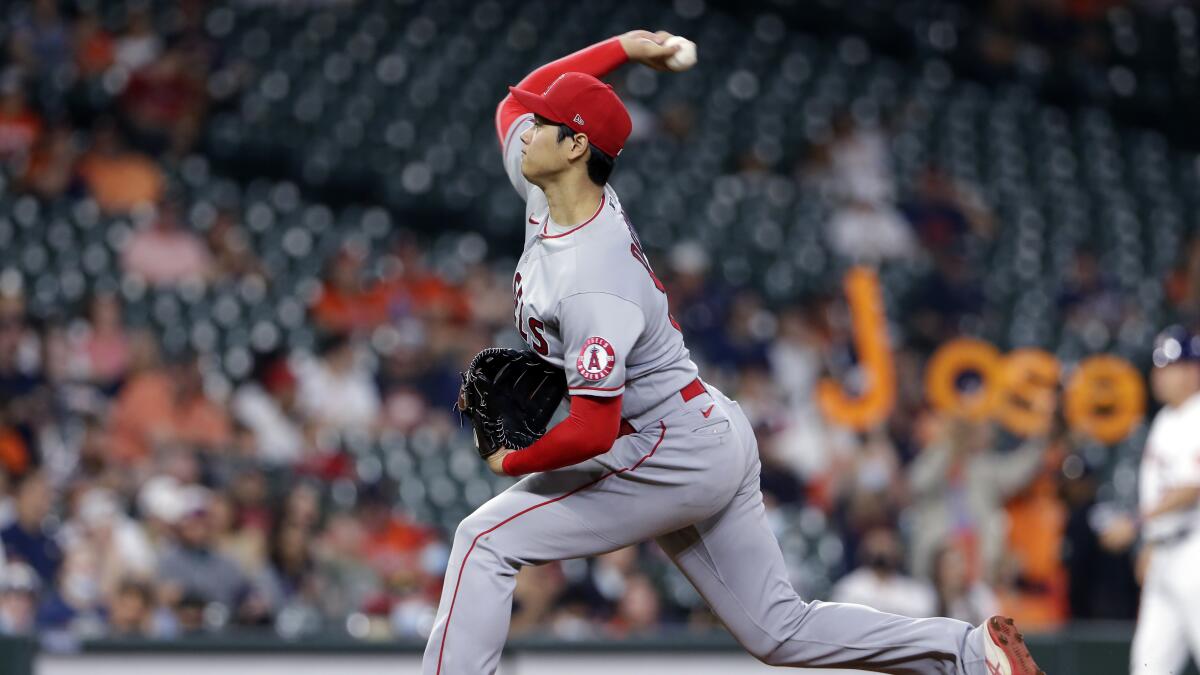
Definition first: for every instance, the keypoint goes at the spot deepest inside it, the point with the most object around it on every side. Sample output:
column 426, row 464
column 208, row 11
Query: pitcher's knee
column 470, row 530
column 476, row 536
column 760, row 645
column 765, row 637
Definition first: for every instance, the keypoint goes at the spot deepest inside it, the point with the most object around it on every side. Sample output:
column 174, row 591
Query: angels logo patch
column 596, row 359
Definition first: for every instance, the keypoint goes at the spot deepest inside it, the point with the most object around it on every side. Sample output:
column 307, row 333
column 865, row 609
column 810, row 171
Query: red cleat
column 1005, row 649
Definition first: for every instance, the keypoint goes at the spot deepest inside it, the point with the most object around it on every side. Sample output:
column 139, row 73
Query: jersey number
column 535, row 325
column 636, row 249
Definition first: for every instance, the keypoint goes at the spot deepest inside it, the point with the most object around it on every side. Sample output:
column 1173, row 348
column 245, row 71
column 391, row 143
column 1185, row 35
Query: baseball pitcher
column 648, row 450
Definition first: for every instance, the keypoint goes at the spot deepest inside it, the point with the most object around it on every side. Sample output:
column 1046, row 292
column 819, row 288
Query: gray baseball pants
column 690, row 482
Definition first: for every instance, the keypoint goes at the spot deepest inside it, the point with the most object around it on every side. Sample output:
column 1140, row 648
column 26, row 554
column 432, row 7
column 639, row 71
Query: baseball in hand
column 684, row 58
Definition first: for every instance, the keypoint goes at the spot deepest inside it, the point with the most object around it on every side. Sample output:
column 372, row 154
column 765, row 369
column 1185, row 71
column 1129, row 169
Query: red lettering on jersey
column 594, row 364
column 641, row 257
column 520, row 328
column 539, row 345
column 636, row 249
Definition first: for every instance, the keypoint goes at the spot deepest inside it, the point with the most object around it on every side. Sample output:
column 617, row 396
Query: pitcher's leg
column 626, row 496
column 734, row 561
column 526, row 524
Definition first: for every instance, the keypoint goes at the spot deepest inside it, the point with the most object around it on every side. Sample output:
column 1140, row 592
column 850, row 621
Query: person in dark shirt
column 1101, row 580
column 26, row 539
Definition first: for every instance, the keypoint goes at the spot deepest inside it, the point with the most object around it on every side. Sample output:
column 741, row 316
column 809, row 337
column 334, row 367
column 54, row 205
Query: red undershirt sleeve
column 597, row 60
column 590, row 429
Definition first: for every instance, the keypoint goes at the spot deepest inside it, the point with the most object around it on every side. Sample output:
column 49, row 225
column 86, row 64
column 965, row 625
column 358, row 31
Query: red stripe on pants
column 453, row 598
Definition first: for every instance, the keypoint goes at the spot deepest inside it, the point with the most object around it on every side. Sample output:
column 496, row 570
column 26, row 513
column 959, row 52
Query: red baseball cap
column 586, row 105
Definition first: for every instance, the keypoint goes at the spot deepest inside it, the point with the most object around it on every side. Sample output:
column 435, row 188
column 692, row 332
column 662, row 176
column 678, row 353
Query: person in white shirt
column 880, row 583
column 337, row 391
column 267, row 405
column 1169, row 508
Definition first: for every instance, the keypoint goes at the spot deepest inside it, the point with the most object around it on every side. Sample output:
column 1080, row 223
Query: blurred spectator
column 418, row 289
column 19, row 589
column 164, row 253
column 780, row 483
column 164, row 103
column 1101, row 578
column 19, row 360
column 302, row 506
column 489, row 294
column 958, row 595
column 864, row 485
column 291, row 564
column 944, row 213
column 241, row 522
column 130, row 610
column 20, row 126
column 95, row 450
column 106, row 346
column 795, row 358
column 759, row 398
column 607, row 578
column 869, row 233
column 859, row 162
column 1183, row 282
column 336, row 390
column 344, row 576
column 1089, row 295
column 193, row 570
column 638, row 610
column 415, row 381
column 744, row 339
column 233, row 257
column 345, row 302
column 267, row 405
column 119, row 179
column 50, row 172
column 95, row 48
column 950, row 291
column 41, row 40
column 167, row 406
column 395, row 545
column 1032, row 585
column 959, row 484
column 699, row 300
column 880, row 582
column 139, row 45
column 160, row 502
column 535, row 597
column 189, row 615
column 32, row 538
column 106, row 545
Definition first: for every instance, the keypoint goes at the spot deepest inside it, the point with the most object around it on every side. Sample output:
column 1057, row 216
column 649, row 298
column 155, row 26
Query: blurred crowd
column 137, row 499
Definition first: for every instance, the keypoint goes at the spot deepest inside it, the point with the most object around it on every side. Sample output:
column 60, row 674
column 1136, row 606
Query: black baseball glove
column 509, row 396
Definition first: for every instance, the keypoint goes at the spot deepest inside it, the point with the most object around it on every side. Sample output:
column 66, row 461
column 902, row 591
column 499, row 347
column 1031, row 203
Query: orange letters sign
column 878, row 398
column 1105, row 396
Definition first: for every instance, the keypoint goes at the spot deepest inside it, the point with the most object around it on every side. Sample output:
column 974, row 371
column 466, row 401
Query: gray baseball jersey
column 688, row 477
column 588, row 302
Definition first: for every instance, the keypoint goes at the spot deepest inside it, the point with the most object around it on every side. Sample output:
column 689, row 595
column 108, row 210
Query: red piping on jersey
column 450, row 614
column 543, row 235
column 596, row 388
